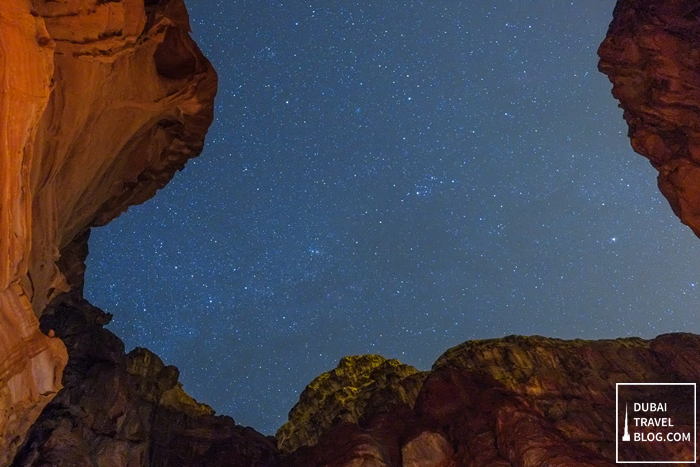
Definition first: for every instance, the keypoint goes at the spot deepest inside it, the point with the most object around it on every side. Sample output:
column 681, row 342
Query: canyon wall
column 100, row 104
column 651, row 55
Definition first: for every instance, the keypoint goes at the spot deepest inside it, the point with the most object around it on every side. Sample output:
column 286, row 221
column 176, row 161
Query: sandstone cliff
column 100, row 104
column 651, row 55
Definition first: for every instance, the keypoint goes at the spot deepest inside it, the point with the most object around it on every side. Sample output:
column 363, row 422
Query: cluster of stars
column 393, row 178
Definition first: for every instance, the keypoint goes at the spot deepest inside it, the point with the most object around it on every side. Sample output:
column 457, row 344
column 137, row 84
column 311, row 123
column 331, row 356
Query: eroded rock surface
column 128, row 410
column 652, row 56
column 80, row 142
column 357, row 388
column 515, row 401
column 100, row 104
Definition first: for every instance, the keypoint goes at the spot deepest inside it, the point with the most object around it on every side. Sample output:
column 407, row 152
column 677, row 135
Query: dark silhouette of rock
column 118, row 409
column 515, row 401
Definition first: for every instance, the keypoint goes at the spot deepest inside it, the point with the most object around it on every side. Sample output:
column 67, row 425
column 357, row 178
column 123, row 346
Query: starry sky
column 393, row 178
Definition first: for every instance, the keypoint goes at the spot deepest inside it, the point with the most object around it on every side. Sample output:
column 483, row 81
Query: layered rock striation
column 100, row 104
column 651, row 55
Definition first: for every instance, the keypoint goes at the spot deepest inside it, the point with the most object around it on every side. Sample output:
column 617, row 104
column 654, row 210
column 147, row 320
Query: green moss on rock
column 357, row 388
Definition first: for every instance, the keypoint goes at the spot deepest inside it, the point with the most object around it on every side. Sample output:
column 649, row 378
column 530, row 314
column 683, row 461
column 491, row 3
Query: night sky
column 393, row 178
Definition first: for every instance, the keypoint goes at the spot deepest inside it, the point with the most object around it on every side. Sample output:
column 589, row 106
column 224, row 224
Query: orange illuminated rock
column 651, row 55
column 100, row 104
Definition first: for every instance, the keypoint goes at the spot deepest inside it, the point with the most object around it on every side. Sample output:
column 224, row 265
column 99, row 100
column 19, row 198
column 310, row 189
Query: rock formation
column 516, row 401
column 100, row 104
column 120, row 409
column 651, row 55
column 357, row 388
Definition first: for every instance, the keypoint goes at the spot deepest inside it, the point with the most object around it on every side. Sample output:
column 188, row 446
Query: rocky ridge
column 119, row 409
column 516, row 401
